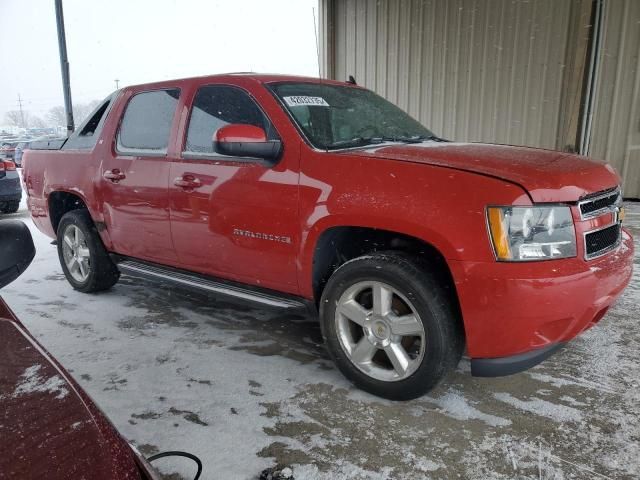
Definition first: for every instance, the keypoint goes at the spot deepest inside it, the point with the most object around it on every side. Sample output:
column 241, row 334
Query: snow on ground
column 246, row 389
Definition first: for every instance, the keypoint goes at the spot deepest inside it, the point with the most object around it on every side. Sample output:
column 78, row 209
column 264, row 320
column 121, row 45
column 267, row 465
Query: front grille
column 599, row 202
column 601, row 241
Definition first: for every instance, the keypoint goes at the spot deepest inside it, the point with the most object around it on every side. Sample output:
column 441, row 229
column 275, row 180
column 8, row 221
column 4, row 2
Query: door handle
column 187, row 182
column 114, row 175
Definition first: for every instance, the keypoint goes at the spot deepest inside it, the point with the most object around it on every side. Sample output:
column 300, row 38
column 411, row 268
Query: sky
column 138, row 41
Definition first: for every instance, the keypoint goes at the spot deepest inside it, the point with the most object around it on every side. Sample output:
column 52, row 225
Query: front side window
column 147, row 121
column 337, row 116
column 215, row 106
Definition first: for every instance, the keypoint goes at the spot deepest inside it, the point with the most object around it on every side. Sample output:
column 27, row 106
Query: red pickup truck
column 289, row 191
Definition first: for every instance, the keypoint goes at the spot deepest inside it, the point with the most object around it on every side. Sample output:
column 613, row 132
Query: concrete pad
column 245, row 389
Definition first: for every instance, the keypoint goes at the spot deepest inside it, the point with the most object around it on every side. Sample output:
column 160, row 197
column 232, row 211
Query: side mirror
column 16, row 250
column 240, row 140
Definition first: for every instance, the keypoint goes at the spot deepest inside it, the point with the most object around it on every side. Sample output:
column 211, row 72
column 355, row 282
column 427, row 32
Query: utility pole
column 64, row 66
column 21, row 112
column 117, row 83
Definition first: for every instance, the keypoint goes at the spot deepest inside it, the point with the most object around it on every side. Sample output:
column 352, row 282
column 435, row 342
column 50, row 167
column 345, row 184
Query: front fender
column 439, row 206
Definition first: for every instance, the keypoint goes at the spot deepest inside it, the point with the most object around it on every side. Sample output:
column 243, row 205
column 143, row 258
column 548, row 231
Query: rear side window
column 215, row 106
column 146, row 123
column 89, row 129
column 85, row 137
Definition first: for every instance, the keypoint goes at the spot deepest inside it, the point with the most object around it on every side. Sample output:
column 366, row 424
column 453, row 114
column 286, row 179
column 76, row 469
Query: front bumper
column 502, row 366
column 511, row 309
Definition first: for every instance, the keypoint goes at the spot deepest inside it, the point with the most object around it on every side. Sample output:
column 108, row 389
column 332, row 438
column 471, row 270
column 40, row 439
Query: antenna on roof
column 315, row 31
column 352, row 80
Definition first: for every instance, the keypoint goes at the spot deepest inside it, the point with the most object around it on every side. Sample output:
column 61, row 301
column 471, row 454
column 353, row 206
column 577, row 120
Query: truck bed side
column 67, row 168
column 47, row 171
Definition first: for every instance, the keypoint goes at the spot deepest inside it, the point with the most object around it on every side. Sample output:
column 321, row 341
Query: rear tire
column 83, row 258
column 10, row 207
column 401, row 354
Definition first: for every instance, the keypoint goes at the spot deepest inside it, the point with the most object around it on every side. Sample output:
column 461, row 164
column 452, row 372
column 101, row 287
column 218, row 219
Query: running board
column 198, row 282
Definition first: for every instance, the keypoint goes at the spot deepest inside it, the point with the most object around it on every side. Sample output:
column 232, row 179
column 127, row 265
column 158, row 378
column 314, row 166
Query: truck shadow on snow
column 263, row 332
column 22, row 214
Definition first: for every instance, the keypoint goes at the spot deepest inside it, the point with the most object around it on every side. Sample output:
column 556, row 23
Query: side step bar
column 195, row 281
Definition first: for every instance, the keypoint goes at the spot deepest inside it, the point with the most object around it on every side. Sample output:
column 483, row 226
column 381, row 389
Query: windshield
column 337, row 116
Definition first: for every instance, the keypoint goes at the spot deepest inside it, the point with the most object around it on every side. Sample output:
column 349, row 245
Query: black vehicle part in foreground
column 18, row 250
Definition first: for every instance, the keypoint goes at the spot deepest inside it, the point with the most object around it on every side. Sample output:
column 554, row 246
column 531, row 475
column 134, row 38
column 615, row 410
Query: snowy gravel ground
column 246, row 389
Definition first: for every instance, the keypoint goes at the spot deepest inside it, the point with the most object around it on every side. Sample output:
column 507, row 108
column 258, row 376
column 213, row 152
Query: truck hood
column 547, row 175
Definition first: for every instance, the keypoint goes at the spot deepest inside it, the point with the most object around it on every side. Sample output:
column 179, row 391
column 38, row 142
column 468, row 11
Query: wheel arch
column 60, row 202
column 338, row 244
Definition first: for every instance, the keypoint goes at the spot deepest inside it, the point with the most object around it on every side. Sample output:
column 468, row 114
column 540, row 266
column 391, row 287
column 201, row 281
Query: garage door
column 615, row 131
column 499, row 71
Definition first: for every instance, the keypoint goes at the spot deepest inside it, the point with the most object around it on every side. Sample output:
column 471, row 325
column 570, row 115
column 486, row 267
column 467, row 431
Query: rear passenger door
column 135, row 174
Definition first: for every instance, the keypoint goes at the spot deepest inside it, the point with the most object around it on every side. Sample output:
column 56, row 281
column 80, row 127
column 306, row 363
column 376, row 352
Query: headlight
column 532, row 233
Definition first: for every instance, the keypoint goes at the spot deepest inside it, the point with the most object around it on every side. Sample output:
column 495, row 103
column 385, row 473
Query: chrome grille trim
column 612, row 207
column 608, row 248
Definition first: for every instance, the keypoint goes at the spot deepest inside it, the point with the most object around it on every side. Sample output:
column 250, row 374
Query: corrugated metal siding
column 615, row 134
column 471, row 70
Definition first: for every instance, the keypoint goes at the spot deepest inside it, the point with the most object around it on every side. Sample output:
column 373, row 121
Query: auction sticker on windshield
column 303, row 100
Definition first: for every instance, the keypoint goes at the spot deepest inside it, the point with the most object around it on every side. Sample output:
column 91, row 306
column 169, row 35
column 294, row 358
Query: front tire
column 390, row 325
column 83, row 258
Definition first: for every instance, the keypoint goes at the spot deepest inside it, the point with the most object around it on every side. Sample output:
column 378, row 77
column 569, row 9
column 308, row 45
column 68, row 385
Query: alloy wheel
column 380, row 331
column 76, row 253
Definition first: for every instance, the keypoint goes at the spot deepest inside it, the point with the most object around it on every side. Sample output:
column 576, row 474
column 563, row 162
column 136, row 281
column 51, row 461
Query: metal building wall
column 471, row 70
column 615, row 132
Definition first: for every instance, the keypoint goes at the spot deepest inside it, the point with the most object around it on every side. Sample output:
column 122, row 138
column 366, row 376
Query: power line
column 21, row 111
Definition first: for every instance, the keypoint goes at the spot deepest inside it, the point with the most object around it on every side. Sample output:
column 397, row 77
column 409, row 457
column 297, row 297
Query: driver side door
column 232, row 217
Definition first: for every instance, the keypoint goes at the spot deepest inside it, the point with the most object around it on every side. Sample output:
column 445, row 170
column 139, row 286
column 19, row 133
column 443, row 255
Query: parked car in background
column 10, row 188
column 17, row 156
column 7, row 149
column 24, row 145
column 49, row 426
column 40, row 132
column 288, row 191
column 8, row 137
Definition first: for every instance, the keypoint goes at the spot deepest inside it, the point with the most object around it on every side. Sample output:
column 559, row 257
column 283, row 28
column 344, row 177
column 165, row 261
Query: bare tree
column 25, row 119
column 14, row 117
column 56, row 117
column 82, row 110
column 36, row 122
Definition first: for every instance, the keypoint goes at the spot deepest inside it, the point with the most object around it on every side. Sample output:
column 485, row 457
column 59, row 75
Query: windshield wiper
column 367, row 141
column 356, row 142
column 405, row 138
column 435, row 138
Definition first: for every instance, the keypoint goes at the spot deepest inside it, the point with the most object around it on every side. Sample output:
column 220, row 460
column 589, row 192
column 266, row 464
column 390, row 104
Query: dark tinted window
column 87, row 134
column 146, row 124
column 216, row 106
column 90, row 127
